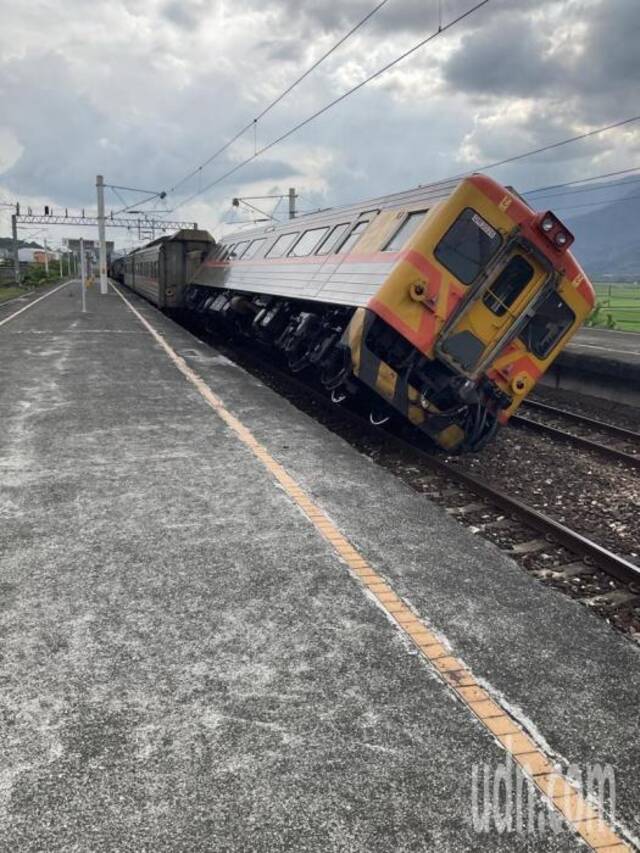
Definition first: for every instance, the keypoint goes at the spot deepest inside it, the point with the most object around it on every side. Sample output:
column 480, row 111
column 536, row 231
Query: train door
column 503, row 282
column 485, row 321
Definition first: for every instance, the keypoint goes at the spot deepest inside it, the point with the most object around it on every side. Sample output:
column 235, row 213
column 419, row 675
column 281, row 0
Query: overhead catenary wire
column 253, row 123
column 589, row 188
column 602, row 203
column 333, row 103
column 435, row 185
column 582, row 180
column 553, row 145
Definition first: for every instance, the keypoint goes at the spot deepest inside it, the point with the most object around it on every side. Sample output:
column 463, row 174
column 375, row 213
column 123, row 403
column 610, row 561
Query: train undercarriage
column 354, row 354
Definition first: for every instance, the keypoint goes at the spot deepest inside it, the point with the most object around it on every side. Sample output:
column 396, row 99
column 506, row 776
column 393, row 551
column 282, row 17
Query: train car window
column 468, row 246
column 253, row 249
column 238, row 251
column 333, row 238
column 553, row 318
column 307, row 242
column 405, row 231
column 282, row 245
column 354, row 235
column 508, row 285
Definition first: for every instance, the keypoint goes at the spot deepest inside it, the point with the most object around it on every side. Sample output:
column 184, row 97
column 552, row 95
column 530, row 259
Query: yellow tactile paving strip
column 576, row 811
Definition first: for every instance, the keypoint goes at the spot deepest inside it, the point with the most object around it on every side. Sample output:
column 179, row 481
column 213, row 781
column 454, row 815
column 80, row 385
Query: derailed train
column 444, row 304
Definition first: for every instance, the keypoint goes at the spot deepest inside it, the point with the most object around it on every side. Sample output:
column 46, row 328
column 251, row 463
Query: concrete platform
column 602, row 363
column 188, row 664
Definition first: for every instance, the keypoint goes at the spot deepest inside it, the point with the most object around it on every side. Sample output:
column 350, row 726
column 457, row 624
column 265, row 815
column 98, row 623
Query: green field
column 619, row 301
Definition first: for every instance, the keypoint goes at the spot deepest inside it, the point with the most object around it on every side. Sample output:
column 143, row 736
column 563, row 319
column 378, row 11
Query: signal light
column 561, row 239
column 547, row 224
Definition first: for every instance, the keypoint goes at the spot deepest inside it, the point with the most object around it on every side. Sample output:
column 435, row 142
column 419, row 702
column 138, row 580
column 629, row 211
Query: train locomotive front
column 484, row 298
column 443, row 305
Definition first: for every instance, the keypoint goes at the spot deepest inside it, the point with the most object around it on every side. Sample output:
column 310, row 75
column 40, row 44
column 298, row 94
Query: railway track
column 629, row 457
column 595, row 556
column 548, row 549
column 583, row 420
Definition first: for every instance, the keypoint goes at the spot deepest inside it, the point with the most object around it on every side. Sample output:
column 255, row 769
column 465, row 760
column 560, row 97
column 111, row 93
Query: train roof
column 422, row 195
column 197, row 235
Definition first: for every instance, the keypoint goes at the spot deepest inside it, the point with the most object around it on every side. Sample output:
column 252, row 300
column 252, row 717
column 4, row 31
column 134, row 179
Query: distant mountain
column 607, row 237
column 7, row 243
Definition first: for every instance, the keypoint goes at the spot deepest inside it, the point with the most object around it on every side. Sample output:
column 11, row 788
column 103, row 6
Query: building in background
column 29, row 255
column 91, row 247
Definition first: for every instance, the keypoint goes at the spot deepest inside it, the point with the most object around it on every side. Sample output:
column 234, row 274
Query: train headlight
column 554, row 231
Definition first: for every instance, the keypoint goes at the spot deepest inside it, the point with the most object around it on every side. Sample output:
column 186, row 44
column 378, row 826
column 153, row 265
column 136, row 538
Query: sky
column 143, row 91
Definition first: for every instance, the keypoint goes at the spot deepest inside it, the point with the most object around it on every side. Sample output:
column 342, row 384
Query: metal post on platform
column 46, row 258
column 16, row 253
column 83, row 277
column 101, row 235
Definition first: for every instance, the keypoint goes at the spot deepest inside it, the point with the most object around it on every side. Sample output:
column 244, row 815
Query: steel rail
column 578, row 440
column 593, row 423
column 607, row 561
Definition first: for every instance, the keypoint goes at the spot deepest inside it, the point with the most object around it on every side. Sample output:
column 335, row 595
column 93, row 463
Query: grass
column 10, row 292
column 618, row 306
column 32, row 277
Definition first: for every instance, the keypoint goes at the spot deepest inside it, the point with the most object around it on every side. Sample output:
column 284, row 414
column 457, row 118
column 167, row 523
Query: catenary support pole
column 292, row 203
column 46, row 258
column 14, row 234
column 101, row 236
column 83, row 277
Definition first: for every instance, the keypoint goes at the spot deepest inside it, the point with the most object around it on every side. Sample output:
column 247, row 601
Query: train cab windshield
column 552, row 320
column 468, row 246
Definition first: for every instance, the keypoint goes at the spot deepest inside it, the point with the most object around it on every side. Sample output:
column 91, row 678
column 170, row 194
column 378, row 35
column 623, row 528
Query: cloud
column 143, row 91
column 186, row 13
column 520, row 66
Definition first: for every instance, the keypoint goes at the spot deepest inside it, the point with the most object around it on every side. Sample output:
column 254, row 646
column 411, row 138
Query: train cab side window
column 405, row 231
column 281, row 246
column 508, row 285
column 307, row 242
column 354, row 236
column 468, row 246
column 254, row 248
column 552, row 320
column 238, row 251
column 333, row 238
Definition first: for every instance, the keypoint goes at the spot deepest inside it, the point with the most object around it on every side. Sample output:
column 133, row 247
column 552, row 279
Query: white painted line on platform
column 35, row 301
